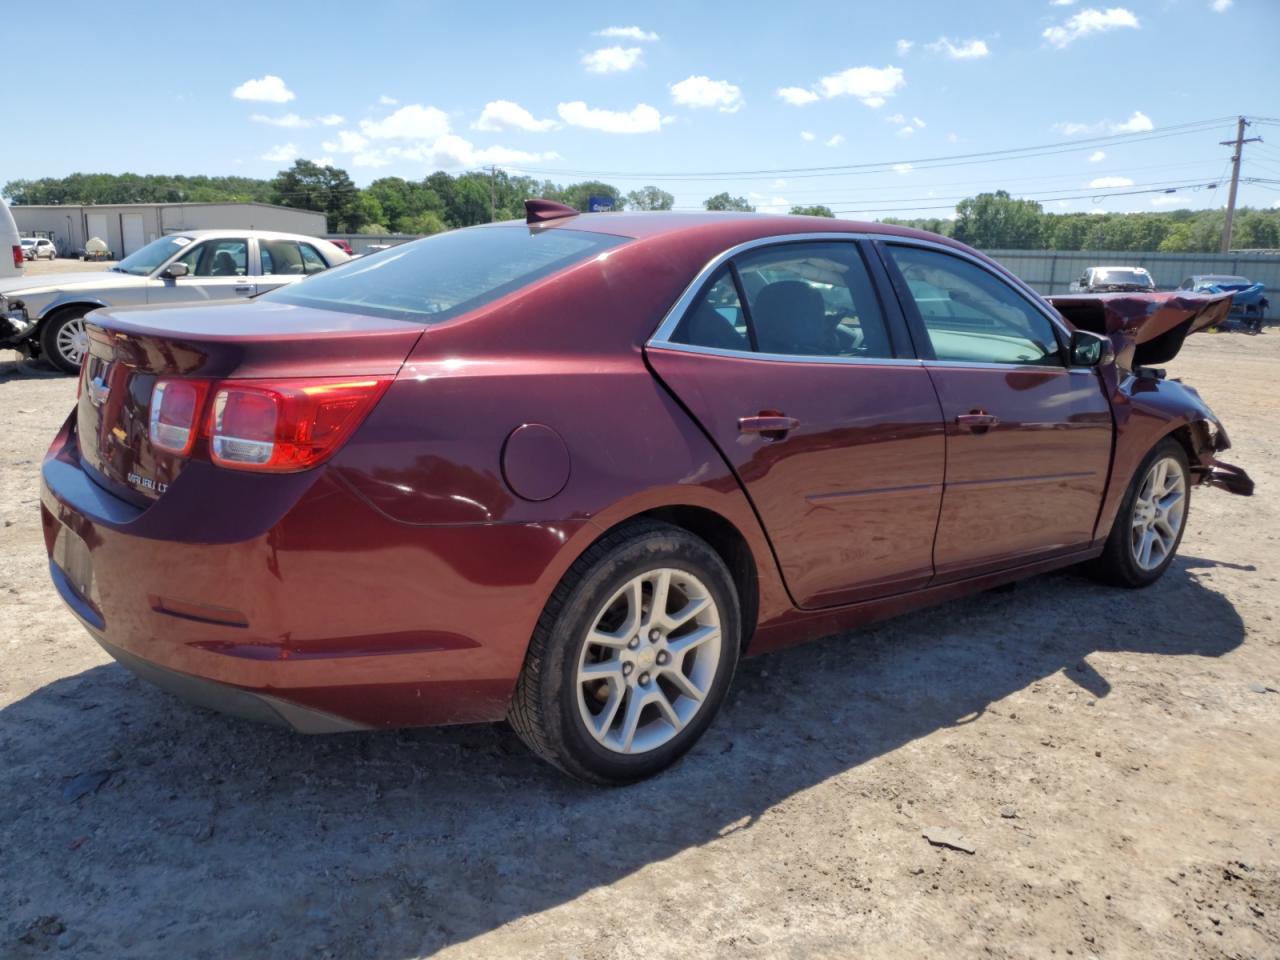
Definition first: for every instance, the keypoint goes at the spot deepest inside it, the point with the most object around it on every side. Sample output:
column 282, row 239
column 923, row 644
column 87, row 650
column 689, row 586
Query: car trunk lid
column 130, row 350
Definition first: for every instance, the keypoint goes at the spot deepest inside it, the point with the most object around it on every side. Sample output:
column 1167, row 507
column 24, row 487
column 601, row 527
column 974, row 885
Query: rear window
column 440, row 277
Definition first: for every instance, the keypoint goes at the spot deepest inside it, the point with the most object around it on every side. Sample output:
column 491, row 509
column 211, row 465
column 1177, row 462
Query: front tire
column 632, row 656
column 64, row 340
column 1151, row 520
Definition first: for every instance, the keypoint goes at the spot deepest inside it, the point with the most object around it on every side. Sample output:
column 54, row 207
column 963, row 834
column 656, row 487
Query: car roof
column 729, row 228
column 1136, row 269
column 232, row 232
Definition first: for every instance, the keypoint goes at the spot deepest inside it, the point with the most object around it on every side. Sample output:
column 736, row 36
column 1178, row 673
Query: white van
column 10, row 245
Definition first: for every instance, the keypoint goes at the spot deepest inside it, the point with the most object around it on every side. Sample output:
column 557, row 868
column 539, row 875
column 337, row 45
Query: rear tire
column 63, row 341
column 619, row 683
column 1150, row 522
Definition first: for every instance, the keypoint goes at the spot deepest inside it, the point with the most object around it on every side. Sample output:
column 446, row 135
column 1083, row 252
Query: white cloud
column 628, row 33
column 769, row 204
column 283, row 153
column 797, row 96
column 269, row 89
column 325, row 162
column 284, row 120
column 906, row 131
column 411, row 122
column 871, row 85
column 1166, row 200
column 641, row 119
column 449, row 152
column 895, row 118
column 902, row 168
column 330, row 119
column 387, row 101
column 348, row 142
column 700, row 91
column 504, row 115
column 918, row 122
column 1097, row 156
column 806, row 135
column 1137, row 123
column 952, row 138
column 1061, row 3
column 1220, row 6
column 835, row 140
column 1110, row 182
column 967, row 50
column 612, row 59
column 1089, row 21
column 370, row 158
column 904, row 47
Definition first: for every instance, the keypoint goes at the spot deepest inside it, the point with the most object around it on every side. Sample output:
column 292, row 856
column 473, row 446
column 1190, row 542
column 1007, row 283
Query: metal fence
column 1052, row 271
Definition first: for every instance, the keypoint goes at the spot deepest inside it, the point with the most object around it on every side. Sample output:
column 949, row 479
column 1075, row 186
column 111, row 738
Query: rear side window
column 440, row 277
column 802, row 300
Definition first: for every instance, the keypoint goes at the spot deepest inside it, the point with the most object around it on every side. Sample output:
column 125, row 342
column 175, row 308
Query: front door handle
column 244, row 289
column 771, row 426
column 978, row 421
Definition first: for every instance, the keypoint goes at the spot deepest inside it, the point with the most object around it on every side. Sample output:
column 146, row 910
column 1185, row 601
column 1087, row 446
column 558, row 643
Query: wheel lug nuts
column 654, row 634
column 663, row 658
column 635, row 642
column 626, row 669
column 644, row 678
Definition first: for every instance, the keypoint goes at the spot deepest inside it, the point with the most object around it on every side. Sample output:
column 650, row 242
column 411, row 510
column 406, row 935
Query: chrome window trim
column 662, row 336
column 784, row 357
column 1037, row 301
column 988, row 365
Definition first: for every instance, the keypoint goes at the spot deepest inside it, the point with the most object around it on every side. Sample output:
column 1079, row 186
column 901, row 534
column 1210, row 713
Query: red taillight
column 17, row 256
column 285, row 426
column 175, row 414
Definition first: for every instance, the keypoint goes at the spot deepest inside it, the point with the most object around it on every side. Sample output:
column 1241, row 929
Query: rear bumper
column 298, row 603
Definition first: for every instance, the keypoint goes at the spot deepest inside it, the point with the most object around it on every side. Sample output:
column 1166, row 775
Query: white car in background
column 11, row 256
column 38, row 248
column 45, row 314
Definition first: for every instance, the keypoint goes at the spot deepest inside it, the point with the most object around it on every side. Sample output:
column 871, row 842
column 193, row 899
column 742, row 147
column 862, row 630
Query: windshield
column 143, row 263
column 440, row 277
column 1138, row 278
column 28, row 242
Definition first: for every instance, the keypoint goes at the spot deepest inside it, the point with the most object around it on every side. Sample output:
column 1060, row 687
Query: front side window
column 802, row 300
column 283, row 257
column 217, row 258
column 971, row 315
column 142, row 263
column 442, row 276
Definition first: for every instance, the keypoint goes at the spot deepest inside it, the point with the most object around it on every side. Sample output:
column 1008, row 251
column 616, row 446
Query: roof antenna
column 539, row 211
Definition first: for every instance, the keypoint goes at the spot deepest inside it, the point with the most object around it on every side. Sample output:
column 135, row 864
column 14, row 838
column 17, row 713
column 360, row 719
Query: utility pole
column 1238, row 143
column 493, row 193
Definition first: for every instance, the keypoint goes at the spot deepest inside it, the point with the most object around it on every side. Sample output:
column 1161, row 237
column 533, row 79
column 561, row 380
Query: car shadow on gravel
column 197, row 835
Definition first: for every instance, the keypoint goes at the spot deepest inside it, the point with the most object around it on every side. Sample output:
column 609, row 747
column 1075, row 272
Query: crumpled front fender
column 1145, row 328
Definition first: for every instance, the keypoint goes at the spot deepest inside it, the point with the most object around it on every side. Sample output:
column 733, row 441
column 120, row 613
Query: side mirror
column 175, row 270
column 1090, row 349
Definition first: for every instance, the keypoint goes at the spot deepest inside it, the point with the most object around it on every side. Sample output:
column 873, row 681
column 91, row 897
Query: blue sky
column 571, row 89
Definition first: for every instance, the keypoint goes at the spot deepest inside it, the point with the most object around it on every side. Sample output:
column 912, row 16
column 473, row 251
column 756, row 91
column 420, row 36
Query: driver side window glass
column 971, row 315
column 217, row 258
column 281, row 257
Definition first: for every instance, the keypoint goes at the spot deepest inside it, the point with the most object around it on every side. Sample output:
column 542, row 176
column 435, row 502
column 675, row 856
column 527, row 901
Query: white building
column 126, row 227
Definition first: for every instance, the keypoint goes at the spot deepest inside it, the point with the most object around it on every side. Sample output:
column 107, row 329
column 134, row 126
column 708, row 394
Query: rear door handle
column 244, row 289
column 771, row 426
column 977, row 421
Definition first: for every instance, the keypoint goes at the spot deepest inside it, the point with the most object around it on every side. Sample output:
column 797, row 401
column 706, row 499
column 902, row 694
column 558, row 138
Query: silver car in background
column 45, row 314
column 39, row 248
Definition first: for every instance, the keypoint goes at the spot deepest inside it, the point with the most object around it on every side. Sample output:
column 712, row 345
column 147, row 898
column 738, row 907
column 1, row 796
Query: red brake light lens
column 175, row 414
column 17, row 255
column 286, row 426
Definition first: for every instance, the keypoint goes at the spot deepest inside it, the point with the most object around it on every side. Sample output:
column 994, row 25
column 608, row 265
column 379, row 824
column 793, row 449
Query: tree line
column 442, row 201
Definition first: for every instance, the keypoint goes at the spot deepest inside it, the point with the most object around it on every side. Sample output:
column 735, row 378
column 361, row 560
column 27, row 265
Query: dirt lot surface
column 38, row 268
column 1113, row 758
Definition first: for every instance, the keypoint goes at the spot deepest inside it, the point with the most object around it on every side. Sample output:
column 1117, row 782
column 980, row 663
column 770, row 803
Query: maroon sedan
column 567, row 471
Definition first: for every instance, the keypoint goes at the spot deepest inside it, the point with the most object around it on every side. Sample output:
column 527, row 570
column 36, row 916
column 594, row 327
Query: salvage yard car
column 568, row 470
column 45, row 314
column 1113, row 280
column 39, row 248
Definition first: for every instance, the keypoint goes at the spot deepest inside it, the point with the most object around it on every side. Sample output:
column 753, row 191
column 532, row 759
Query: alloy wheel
column 73, row 341
column 1159, row 511
column 649, row 661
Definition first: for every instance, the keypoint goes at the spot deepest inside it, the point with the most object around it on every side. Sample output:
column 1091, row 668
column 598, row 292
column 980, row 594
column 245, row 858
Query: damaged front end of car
column 1150, row 328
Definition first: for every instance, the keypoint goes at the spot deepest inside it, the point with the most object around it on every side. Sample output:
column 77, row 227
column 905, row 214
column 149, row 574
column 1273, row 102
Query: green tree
column 578, row 195
column 309, row 186
column 997, row 220
column 650, row 198
column 424, row 223
column 722, row 201
column 817, row 210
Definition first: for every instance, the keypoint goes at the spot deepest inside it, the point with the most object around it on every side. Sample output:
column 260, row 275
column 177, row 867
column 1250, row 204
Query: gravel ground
column 1111, row 756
